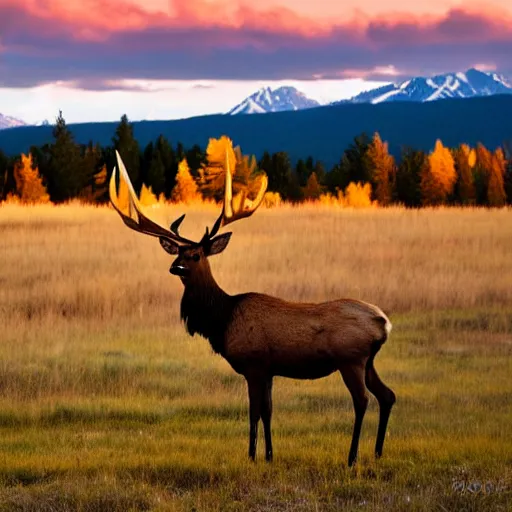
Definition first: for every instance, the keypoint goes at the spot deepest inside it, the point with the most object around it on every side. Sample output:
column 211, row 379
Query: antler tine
column 175, row 226
column 246, row 207
column 134, row 218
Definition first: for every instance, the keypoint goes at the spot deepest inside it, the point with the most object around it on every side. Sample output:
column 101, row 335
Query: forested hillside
column 365, row 172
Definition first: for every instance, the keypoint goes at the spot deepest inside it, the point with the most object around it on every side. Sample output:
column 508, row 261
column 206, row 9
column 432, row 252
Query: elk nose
column 179, row 270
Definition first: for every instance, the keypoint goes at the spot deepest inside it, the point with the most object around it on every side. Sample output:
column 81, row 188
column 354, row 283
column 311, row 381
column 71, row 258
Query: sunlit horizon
column 96, row 59
column 156, row 100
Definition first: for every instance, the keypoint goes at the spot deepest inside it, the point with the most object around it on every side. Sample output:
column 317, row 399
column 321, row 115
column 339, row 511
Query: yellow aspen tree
column 146, row 196
column 482, row 172
column 382, row 167
column 358, row 195
column 438, row 177
column 185, row 190
column 496, row 195
column 29, row 184
column 465, row 159
column 470, row 154
column 272, row 199
column 219, row 154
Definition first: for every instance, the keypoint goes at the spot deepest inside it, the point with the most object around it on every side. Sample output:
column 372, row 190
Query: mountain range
column 473, row 83
column 324, row 132
column 470, row 84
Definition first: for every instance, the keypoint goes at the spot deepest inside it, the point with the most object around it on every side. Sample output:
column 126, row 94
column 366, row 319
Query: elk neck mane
column 206, row 309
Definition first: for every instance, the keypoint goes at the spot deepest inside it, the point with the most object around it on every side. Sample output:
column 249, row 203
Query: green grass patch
column 144, row 420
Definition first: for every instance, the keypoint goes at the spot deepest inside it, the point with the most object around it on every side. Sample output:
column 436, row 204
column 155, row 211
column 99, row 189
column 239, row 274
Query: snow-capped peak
column 277, row 100
column 10, row 122
column 450, row 85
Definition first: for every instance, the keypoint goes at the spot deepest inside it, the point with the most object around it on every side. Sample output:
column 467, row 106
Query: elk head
column 192, row 256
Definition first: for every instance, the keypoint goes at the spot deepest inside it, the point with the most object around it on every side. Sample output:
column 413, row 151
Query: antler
column 239, row 207
column 133, row 217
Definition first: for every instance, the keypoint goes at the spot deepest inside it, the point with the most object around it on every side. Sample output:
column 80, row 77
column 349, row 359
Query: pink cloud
column 89, row 19
column 48, row 40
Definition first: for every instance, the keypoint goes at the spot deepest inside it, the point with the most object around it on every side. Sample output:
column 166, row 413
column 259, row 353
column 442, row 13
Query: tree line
column 64, row 170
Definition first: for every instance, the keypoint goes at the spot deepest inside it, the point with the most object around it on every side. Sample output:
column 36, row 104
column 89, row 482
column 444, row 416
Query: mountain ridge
column 469, row 84
column 266, row 100
column 323, row 133
column 10, row 122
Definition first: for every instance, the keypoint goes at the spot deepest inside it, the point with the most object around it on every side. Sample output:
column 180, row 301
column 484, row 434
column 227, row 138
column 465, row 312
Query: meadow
column 107, row 404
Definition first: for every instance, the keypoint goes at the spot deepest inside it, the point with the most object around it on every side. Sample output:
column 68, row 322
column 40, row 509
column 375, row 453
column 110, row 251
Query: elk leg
column 353, row 376
column 255, row 399
column 266, row 416
column 386, row 399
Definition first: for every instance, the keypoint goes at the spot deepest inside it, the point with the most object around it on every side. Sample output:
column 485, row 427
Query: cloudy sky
column 162, row 59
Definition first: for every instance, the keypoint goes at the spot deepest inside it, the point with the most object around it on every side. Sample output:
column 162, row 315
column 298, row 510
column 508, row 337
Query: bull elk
column 262, row 336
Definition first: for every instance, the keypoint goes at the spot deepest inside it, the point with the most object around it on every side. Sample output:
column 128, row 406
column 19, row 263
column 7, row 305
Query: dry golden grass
column 83, row 263
column 107, row 404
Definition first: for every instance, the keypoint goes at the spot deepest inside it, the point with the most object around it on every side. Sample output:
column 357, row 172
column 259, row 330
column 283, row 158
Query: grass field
column 107, row 404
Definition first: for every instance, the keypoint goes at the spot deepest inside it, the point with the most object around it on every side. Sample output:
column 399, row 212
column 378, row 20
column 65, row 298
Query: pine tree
column 196, row 157
column 382, row 166
column 92, row 156
column 265, row 163
column 319, row 170
column 29, row 185
column 156, row 173
column 302, row 171
column 496, row 196
column 145, row 161
column 465, row 158
column 356, row 161
column 169, row 162
column 281, row 179
column 66, row 173
column 408, row 177
column 185, row 190
column 128, row 147
column 438, row 177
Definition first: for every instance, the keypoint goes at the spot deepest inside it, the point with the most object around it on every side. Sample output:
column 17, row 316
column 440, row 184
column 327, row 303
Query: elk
column 261, row 336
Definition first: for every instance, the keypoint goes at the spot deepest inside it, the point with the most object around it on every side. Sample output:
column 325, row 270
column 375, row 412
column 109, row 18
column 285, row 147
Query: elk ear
column 219, row 243
column 168, row 245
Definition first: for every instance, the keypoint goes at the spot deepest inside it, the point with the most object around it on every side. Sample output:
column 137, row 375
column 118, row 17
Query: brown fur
column 262, row 336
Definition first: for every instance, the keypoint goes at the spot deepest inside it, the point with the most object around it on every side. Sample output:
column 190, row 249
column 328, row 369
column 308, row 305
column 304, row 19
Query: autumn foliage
column 382, row 166
column 64, row 170
column 438, row 176
column 29, row 184
column 185, row 190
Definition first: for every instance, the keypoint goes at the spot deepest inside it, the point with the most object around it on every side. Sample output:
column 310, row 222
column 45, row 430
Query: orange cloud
column 96, row 19
column 45, row 40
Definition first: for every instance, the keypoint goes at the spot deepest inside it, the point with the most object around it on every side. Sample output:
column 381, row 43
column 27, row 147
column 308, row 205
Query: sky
column 165, row 59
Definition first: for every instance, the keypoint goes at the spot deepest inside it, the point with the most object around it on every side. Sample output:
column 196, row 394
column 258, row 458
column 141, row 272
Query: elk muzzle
column 179, row 270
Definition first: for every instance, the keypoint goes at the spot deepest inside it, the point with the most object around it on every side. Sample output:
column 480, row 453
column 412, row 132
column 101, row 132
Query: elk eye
column 196, row 257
